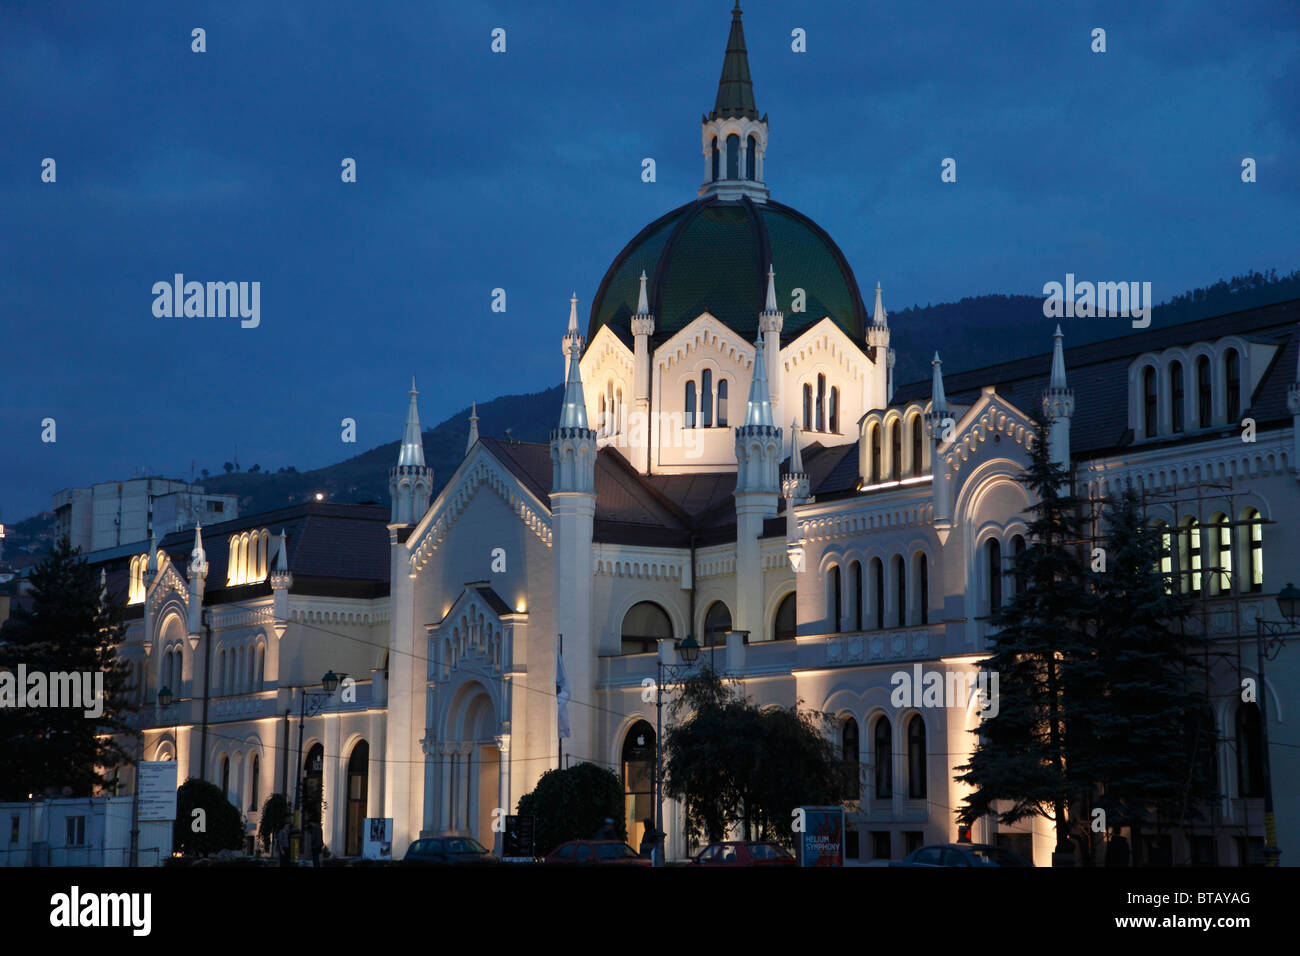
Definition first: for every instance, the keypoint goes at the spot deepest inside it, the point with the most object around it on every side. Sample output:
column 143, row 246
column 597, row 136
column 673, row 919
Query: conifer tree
column 1023, row 763
column 69, row 629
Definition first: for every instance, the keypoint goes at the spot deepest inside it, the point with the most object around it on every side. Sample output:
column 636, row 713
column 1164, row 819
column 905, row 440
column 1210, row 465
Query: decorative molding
column 880, row 645
column 704, row 331
column 453, row 502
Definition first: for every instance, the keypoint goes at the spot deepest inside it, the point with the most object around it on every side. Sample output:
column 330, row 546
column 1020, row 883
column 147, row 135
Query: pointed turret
column 151, row 567
column 794, row 489
column 878, row 339
column 735, row 138
column 771, row 321
column 637, row 430
column 642, row 301
column 878, row 317
column 198, row 557
column 573, row 413
column 410, row 481
column 938, row 400
column 770, row 305
column 1058, row 405
column 473, row 427
column 758, row 411
column 198, row 575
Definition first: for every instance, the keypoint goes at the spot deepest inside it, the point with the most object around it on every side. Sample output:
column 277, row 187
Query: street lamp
column 689, row 648
column 318, row 700
column 1270, row 638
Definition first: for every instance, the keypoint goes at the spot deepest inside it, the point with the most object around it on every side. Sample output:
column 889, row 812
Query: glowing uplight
column 320, row 496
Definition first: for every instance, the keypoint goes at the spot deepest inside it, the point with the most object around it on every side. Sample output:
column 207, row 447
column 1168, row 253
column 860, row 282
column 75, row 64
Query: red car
column 595, row 853
column 741, row 853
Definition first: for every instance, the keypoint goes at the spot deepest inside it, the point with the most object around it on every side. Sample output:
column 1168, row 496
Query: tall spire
column 879, row 317
column 759, row 410
column 939, row 401
column 1058, row 361
column 642, row 301
column 770, row 305
column 735, row 91
column 412, row 452
column 473, row 427
column 796, row 456
column 198, row 558
column 282, row 559
column 573, row 414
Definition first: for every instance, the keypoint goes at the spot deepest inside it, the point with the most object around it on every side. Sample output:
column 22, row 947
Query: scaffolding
column 1214, row 590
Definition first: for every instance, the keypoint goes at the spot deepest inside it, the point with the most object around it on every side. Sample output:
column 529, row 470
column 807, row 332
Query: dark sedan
column 449, row 851
column 741, row 853
column 960, row 854
column 595, row 853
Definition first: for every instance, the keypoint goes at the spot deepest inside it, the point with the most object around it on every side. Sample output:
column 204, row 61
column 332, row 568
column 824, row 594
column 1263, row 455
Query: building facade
column 732, row 460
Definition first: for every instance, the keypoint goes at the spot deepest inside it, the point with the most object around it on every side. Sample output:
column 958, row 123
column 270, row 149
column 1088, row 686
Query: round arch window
column 643, row 626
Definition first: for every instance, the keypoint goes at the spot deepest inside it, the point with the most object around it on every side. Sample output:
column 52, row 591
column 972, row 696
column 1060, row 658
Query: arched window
column 878, row 588
column 1250, row 751
column 835, row 409
column 706, row 399
column 1204, row 393
column 717, row 622
column 610, row 426
column 896, row 449
column 689, row 417
column 1017, row 549
column 167, row 670
column 722, row 403
column 1189, row 556
column 783, row 626
column 218, row 684
column 643, row 625
column 313, row 769
column 1176, row 395
column 1232, row 366
column 254, row 783
column 821, row 403
column 604, row 417
column 1221, row 554
column 638, row 778
column 751, row 160
column 916, row 758
column 850, row 753
column 733, row 156
column 358, row 794
column 875, row 452
column 808, row 421
column 1255, row 551
column 1166, row 555
column 716, row 159
column 900, row 579
column 259, row 674
column 836, row 598
column 225, row 776
column 918, row 454
column 855, row 582
column 923, row 586
column 1150, row 406
column 1203, row 745
column 884, row 759
column 993, row 562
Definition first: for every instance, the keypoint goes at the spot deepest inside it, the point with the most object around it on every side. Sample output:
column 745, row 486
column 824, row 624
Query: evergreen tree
column 70, row 629
column 1153, row 753
column 1026, row 753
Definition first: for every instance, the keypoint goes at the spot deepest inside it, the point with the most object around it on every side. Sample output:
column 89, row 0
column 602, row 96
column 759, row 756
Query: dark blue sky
column 522, row 171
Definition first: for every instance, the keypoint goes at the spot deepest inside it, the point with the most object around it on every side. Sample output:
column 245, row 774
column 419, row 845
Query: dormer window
column 705, row 405
column 247, row 558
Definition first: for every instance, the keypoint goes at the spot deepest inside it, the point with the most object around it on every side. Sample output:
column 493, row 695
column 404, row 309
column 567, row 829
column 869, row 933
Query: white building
column 729, row 414
column 87, row 831
column 112, row 513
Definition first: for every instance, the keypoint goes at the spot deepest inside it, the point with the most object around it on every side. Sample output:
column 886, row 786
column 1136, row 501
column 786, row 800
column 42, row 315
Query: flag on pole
column 561, row 694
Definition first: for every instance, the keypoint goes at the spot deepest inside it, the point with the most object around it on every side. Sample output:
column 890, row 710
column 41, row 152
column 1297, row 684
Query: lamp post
column 1270, row 638
column 164, row 701
column 690, row 651
column 318, row 700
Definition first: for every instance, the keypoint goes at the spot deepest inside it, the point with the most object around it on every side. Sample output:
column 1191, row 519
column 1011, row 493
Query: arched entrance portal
column 472, row 784
column 638, row 779
column 313, row 768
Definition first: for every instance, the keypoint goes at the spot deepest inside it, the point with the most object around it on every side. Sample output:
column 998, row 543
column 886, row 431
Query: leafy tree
column 219, row 827
column 734, row 764
column 229, row 467
column 71, row 630
column 573, row 804
column 1152, row 754
column 275, row 813
column 1029, row 755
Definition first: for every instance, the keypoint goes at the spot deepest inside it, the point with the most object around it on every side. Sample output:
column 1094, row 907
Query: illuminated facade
column 732, row 460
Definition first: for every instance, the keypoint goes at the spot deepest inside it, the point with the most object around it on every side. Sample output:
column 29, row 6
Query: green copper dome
column 712, row 256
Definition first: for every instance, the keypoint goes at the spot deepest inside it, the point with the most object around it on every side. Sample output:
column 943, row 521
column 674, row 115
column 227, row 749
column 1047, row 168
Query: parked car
column 595, row 853
column 960, row 854
column 742, row 853
column 449, row 851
